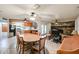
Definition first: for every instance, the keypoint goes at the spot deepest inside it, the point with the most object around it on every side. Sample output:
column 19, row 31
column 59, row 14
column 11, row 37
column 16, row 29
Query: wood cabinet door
column 27, row 23
column 5, row 27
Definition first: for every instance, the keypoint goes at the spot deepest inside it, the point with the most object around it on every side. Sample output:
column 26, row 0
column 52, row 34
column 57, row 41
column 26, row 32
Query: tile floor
column 8, row 45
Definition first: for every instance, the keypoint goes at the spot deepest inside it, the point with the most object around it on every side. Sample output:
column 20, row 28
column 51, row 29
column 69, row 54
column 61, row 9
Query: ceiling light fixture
column 32, row 18
column 36, row 6
column 33, row 15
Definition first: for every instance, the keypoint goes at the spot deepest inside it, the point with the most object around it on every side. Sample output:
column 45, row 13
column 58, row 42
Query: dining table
column 29, row 37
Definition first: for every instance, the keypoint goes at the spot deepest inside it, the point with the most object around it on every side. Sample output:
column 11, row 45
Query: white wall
column 48, row 27
column 77, row 25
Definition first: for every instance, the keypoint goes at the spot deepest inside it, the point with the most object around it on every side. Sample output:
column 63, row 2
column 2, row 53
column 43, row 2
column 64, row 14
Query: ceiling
column 45, row 12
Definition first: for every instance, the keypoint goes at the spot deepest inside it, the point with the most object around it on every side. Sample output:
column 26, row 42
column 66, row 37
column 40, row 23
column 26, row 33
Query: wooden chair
column 18, row 42
column 21, row 44
column 40, row 46
column 24, row 46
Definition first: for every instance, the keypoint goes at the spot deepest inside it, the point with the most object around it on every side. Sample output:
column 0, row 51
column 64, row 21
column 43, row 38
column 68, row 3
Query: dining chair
column 21, row 46
column 40, row 46
column 18, row 43
column 24, row 46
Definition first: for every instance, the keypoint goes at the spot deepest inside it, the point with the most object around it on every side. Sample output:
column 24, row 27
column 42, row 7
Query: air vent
column 4, row 18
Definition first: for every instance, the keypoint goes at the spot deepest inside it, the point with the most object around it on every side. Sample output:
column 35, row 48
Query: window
column 43, row 29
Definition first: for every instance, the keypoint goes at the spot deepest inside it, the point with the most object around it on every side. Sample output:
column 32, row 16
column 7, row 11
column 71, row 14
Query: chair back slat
column 42, row 43
column 18, row 40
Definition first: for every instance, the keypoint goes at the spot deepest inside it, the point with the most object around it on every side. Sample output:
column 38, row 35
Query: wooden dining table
column 29, row 37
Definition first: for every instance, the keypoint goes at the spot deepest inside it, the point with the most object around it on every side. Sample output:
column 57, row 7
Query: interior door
column 4, row 27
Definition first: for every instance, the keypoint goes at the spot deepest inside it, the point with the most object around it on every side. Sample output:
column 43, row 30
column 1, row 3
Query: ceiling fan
column 32, row 14
column 32, row 17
